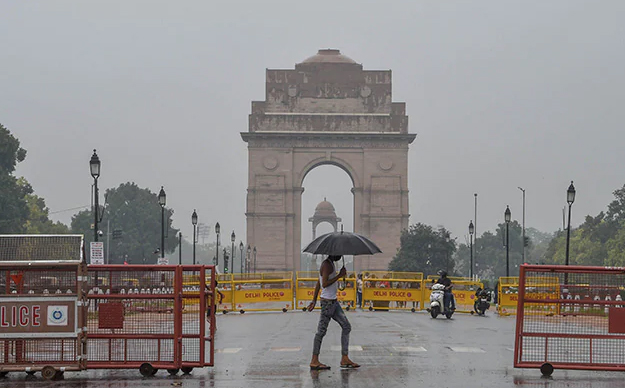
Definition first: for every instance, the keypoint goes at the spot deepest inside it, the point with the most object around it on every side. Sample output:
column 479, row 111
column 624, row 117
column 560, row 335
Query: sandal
column 319, row 367
column 353, row 365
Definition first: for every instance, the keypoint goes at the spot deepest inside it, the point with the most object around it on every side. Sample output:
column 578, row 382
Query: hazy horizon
column 501, row 94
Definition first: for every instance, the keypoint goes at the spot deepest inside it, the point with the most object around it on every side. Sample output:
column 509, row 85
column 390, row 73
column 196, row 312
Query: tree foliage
column 13, row 207
column 424, row 249
column 489, row 253
column 38, row 221
column 598, row 241
column 137, row 213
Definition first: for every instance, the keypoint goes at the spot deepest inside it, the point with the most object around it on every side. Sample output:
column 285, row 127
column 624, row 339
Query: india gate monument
column 328, row 110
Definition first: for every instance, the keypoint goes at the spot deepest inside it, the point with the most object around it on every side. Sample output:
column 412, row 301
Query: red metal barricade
column 570, row 317
column 42, row 304
column 146, row 317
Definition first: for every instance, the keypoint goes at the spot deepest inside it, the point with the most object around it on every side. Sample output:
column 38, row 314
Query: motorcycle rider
column 448, row 297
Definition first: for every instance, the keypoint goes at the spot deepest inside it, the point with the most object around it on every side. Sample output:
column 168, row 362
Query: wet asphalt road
column 395, row 349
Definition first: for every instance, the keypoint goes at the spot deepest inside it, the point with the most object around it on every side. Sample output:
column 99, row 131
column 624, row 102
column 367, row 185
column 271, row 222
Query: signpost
column 97, row 253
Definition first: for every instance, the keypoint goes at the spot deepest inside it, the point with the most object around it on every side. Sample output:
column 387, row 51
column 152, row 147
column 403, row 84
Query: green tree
column 137, row 214
column 538, row 244
column 424, row 249
column 489, row 253
column 38, row 221
column 13, row 207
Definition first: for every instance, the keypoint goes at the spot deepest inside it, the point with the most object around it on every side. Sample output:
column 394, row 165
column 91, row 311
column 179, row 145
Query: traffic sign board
column 97, row 252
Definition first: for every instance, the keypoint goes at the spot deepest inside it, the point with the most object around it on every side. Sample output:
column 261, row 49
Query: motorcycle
column 437, row 299
column 482, row 301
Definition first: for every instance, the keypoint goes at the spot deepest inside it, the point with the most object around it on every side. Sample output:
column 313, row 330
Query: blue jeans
column 331, row 309
column 359, row 299
column 448, row 300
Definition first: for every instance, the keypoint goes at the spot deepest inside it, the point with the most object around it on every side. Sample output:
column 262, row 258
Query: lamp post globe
column 471, row 231
column 194, row 222
column 570, row 198
column 94, row 164
column 507, row 216
column 216, row 258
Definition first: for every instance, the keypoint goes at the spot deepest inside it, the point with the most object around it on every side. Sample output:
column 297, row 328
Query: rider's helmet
column 442, row 273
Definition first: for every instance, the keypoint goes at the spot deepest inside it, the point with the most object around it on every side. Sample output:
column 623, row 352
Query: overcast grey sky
column 500, row 93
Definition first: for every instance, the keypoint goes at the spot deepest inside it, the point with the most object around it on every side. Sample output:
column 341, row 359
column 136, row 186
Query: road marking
column 229, row 350
column 409, row 349
column 355, row 348
column 466, row 350
column 297, row 349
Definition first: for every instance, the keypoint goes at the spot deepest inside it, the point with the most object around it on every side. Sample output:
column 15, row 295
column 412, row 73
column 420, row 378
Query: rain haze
column 501, row 95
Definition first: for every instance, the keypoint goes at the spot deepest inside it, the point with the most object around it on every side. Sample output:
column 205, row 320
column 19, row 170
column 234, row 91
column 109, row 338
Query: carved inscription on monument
column 270, row 192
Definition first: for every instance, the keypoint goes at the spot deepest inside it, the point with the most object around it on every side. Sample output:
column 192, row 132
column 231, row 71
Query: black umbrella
column 341, row 244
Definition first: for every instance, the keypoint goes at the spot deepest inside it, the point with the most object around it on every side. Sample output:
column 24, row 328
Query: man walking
column 330, row 309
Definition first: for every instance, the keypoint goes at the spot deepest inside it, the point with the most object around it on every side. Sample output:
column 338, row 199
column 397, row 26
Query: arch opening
column 325, row 183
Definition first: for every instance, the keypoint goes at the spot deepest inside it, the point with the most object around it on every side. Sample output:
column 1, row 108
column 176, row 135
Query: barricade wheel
column 186, row 370
column 284, row 310
column 147, row 370
column 413, row 310
column 225, row 312
column 347, row 308
column 546, row 369
column 173, row 372
column 242, row 311
column 370, row 308
column 304, row 309
column 48, row 372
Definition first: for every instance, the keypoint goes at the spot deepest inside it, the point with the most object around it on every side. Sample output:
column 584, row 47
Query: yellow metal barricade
column 463, row 289
column 225, row 286
column 305, row 288
column 392, row 290
column 535, row 288
column 271, row 291
column 191, row 283
column 507, row 295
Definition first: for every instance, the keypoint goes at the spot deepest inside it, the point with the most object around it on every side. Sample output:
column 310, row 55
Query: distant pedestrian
column 330, row 309
column 359, row 291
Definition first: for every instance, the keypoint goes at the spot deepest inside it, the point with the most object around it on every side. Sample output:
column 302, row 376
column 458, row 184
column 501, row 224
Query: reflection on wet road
column 395, row 349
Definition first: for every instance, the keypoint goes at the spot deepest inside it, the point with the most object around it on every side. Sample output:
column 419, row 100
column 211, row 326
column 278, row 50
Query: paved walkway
column 395, row 349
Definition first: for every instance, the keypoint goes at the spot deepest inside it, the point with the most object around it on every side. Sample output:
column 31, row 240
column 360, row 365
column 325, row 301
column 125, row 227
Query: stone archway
column 327, row 110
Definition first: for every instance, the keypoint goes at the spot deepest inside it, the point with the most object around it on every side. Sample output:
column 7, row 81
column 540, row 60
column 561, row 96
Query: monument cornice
column 327, row 139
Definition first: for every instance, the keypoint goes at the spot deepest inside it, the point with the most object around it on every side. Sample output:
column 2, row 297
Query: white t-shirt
column 329, row 292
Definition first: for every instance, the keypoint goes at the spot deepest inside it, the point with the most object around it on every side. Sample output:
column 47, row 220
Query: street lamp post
column 232, row 238
column 180, row 248
column 225, row 260
column 162, row 200
column 254, row 259
column 94, row 164
column 570, row 198
column 507, row 217
column 216, row 258
column 241, row 250
column 471, row 230
column 523, row 190
column 194, row 222
column 249, row 257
